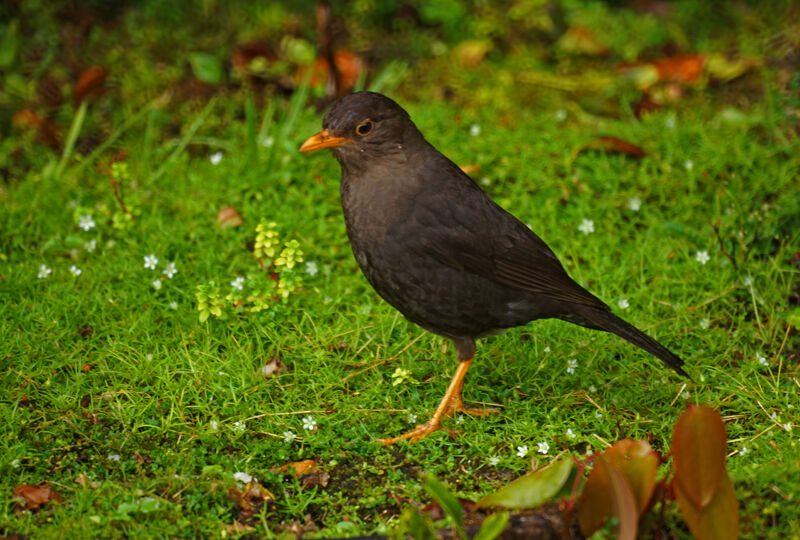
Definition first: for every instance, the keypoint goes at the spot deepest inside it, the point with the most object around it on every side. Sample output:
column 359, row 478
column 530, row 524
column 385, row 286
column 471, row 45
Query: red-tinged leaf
column 348, row 64
column 533, row 489
column 639, row 463
column 607, row 494
column 32, row 497
column 685, row 68
column 698, row 453
column 611, row 145
column 719, row 520
column 90, row 83
column 229, row 217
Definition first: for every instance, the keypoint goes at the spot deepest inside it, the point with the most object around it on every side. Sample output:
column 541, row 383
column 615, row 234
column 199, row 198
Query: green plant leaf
column 719, row 519
column 698, row 452
column 492, row 527
column 607, row 494
column 446, row 500
column 533, row 489
column 9, row 43
column 206, row 67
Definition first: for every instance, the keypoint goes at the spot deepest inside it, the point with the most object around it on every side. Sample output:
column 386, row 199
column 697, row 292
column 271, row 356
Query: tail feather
column 606, row 320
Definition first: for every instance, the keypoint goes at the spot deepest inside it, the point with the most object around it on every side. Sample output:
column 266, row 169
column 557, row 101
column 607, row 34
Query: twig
column 715, row 228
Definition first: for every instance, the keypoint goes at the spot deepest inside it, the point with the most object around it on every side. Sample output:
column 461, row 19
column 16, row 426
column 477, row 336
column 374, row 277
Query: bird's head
column 363, row 123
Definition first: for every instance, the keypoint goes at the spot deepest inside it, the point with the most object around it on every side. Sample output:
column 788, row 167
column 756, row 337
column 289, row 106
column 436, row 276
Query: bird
column 436, row 247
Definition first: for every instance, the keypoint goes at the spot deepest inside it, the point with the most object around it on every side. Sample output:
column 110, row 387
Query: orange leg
column 451, row 403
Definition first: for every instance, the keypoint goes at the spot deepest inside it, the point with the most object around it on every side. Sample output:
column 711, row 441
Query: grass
column 138, row 414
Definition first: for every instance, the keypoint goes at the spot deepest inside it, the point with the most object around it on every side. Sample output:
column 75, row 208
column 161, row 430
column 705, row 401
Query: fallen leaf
column 469, row 169
column 90, row 84
column 299, row 468
column 228, row 217
column 684, row 68
column 347, row 63
column 273, row 367
column 32, row 497
column 252, row 500
column 611, row 145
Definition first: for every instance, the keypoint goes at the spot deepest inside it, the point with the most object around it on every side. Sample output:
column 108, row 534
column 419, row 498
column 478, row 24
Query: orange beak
column 323, row 139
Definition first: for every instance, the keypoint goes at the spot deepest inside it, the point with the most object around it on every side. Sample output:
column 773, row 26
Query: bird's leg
column 449, row 404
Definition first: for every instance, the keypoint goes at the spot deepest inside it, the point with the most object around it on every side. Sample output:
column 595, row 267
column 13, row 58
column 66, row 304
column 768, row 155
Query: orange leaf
column 685, row 68
column 31, row 497
column 607, row 494
column 611, row 145
column 639, row 463
column 698, row 452
column 719, row 520
column 90, row 83
column 229, row 217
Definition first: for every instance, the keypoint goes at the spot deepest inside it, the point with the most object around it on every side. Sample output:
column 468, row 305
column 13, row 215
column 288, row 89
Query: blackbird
column 440, row 251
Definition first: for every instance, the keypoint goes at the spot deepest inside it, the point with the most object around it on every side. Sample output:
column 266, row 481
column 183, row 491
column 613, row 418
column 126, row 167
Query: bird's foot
column 419, row 432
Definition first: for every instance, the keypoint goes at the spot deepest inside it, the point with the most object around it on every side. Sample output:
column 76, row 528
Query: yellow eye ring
column 364, row 127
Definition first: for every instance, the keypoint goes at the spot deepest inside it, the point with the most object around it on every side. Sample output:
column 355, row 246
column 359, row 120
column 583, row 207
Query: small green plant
column 275, row 279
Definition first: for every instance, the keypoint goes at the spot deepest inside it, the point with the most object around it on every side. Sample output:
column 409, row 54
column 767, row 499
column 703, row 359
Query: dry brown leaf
column 469, row 169
column 90, row 84
column 32, row 497
column 611, row 145
column 273, row 367
column 350, row 66
column 229, row 217
column 251, row 500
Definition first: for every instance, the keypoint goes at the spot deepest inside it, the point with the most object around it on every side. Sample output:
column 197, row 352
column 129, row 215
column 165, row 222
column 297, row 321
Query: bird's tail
column 606, row 320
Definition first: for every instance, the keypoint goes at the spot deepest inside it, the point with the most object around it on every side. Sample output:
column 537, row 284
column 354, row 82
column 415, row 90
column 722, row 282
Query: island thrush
column 439, row 250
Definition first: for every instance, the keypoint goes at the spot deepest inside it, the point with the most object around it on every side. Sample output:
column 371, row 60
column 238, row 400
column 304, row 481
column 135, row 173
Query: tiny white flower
column 570, row 433
column 157, row 284
column 366, row 309
column 543, row 447
column 748, row 281
column 522, row 451
column 598, row 414
column 762, row 359
column 689, row 164
column 90, row 245
column 44, row 272
column 571, row 365
column 773, row 417
column 239, row 427
column 215, row 158
column 474, row 130
column 623, row 303
column 561, row 115
column 412, row 418
column 743, row 451
column 15, row 463
column 635, row 203
column 685, row 394
column 150, row 261
column 670, row 122
column 289, row 436
column 266, row 142
column 242, row 477
column 592, row 388
column 214, row 425
column 459, row 419
column 787, row 426
column 238, row 283
column 170, row 270
column 75, row 271
column 705, row 323
column 586, row 226
column 702, row 257
column 547, row 348
column 493, row 461
column 311, row 268
column 309, row 423
column 173, row 305
column 86, row 222
column 114, row 457
column 327, row 299
column 485, row 181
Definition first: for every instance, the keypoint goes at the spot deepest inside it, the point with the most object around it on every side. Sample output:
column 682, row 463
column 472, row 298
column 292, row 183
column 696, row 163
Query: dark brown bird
column 438, row 249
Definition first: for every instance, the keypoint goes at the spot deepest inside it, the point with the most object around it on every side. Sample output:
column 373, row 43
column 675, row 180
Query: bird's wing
column 470, row 232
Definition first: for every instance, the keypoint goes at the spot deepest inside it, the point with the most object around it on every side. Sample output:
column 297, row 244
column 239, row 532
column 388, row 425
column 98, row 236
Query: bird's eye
column 364, row 127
